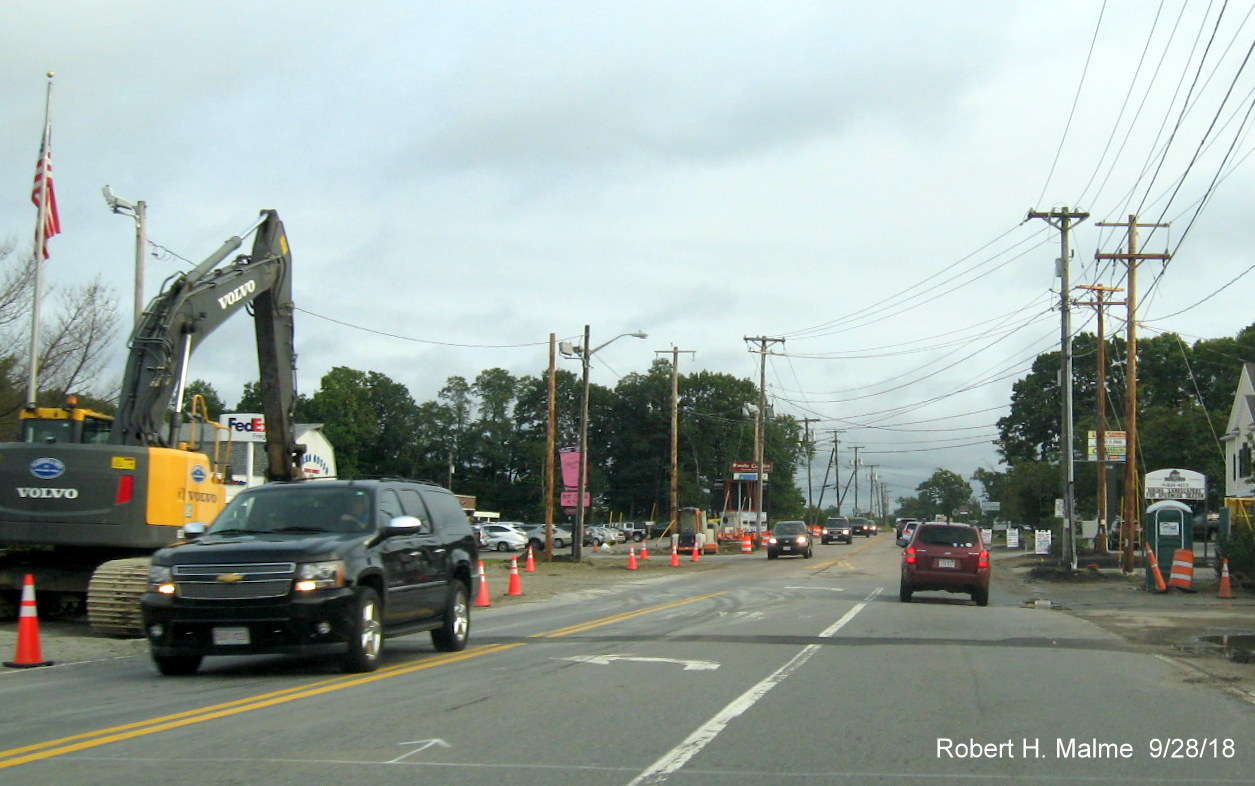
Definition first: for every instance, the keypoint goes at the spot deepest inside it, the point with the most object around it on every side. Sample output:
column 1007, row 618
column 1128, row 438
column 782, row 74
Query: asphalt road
column 790, row 671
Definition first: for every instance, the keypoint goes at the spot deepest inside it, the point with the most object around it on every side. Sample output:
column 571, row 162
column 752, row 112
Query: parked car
column 837, row 530
column 481, row 537
column 899, row 523
column 318, row 568
column 536, row 536
column 945, row 557
column 908, row 529
column 596, row 535
column 505, row 536
column 789, row 537
column 634, row 531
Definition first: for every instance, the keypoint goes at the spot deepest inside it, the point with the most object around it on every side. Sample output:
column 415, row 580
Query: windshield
column 790, row 528
column 297, row 509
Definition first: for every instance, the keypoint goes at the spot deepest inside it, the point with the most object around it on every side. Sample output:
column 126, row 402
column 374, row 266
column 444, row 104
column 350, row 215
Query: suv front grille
column 234, row 582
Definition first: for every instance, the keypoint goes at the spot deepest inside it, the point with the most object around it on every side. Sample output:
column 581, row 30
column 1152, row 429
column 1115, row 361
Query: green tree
column 213, row 402
column 945, row 492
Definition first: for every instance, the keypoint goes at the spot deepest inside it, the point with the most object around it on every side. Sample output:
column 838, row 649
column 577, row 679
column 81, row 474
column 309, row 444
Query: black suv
column 837, row 528
column 323, row 567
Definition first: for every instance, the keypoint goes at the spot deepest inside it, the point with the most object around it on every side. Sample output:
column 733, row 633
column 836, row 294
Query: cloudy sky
column 460, row 180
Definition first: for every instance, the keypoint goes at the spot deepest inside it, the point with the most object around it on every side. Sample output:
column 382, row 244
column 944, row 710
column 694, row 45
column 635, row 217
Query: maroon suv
column 946, row 557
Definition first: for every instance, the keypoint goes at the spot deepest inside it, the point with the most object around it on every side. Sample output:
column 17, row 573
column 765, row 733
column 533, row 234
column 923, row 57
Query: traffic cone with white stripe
column 516, row 583
column 1226, row 584
column 1160, row 585
column 632, row 558
column 644, row 549
column 530, row 565
column 675, row 556
column 484, row 598
column 28, row 654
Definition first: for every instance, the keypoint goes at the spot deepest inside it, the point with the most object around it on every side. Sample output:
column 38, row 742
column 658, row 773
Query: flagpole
column 32, row 384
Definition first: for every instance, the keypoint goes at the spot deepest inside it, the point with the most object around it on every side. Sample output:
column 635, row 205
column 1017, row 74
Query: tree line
column 488, row 436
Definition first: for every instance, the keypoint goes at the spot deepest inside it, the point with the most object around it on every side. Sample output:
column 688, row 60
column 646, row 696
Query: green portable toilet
column 1169, row 526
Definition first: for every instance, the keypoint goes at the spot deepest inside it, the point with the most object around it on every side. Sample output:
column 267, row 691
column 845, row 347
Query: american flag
column 43, row 184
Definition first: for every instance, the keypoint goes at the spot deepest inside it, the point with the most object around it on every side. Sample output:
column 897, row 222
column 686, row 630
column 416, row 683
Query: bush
column 1239, row 549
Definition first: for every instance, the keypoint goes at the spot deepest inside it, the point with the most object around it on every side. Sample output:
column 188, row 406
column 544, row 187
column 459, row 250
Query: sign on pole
column 1175, row 484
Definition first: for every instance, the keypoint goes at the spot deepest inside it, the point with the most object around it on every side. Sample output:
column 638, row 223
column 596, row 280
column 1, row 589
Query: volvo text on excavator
column 84, row 499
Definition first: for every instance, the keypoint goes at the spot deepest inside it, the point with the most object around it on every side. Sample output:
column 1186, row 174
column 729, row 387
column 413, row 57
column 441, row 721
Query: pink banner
column 567, row 500
column 570, row 460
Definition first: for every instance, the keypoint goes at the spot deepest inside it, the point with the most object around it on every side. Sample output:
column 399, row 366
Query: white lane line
column 678, row 756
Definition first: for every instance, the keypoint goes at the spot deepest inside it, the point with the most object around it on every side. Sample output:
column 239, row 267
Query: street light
column 585, row 355
column 140, row 211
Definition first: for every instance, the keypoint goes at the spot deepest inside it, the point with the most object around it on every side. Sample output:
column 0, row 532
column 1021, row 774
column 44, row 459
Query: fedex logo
column 251, row 426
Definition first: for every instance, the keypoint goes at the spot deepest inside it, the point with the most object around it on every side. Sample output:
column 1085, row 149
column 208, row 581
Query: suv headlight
column 320, row 575
column 160, row 579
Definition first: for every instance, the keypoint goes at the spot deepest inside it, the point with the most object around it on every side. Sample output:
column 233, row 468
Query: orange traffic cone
column 28, row 654
column 1160, row 586
column 697, row 552
column 484, row 598
column 516, row 584
column 530, row 565
column 675, row 557
column 632, row 558
column 1226, row 586
column 644, row 549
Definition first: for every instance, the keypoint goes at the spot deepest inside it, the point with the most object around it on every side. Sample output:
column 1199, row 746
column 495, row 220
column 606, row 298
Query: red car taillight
column 126, row 490
column 983, row 560
column 910, row 555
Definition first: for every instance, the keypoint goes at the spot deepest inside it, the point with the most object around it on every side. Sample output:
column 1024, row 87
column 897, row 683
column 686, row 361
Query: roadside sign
column 1013, row 538
column 1175, row 484
column 1115, row 445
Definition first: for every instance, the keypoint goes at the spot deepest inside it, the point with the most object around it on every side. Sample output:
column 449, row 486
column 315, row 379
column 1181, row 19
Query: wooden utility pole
column 675, row 431
column 1100, row 425
column 760, row 425
column 810, row 490
column 551, row 442
column 1132, row 508
column 1062, row 220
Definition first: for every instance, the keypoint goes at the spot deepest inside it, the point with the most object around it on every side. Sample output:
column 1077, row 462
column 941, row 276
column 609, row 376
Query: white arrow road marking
column 825, row 589
column 752, row 615
column 422, row 746
column 606, row 660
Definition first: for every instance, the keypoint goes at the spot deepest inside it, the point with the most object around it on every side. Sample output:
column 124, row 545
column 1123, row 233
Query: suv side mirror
column 193, row 530
column 405, row 525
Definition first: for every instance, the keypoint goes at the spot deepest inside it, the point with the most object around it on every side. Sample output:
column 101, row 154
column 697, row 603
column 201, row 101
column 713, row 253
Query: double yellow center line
column 95, row 739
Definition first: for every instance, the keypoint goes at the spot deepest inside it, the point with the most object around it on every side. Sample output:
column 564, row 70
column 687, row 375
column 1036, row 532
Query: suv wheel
column 904, row 591
column 452, row 635
column 177, row 665
column 365, row 633
column 981, row 596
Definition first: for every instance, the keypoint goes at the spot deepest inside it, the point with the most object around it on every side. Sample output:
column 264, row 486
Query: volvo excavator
column 85, row 499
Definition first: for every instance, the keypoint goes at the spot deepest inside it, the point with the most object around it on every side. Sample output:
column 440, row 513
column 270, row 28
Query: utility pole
column 1132, row 508
column 551, row 444
column 675, row 431
column 854, row 475
column 1100, row 425
column 873, row 493
column 760, row 423
column 1062, row 220
column 810, row 490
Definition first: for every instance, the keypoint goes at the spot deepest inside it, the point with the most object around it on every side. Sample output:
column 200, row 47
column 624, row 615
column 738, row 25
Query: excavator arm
column 190, row 307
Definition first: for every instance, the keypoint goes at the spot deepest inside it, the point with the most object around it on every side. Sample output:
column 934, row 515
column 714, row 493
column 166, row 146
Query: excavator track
column 113, row 597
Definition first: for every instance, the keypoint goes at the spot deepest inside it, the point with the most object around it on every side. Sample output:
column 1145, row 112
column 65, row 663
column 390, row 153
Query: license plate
column 230, row 637
column 947, row 563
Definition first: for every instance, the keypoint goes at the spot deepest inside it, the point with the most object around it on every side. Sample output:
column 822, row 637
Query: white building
column 1239, row 438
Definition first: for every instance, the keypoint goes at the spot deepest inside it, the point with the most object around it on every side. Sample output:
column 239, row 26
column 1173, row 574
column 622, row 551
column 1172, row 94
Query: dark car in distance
column 325, row 568
column 837, row 530
column 789, row 537
column 946, row 557
column 862, row 526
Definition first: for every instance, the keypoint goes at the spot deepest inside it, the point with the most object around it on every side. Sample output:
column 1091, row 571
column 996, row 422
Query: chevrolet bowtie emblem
column 230, row 577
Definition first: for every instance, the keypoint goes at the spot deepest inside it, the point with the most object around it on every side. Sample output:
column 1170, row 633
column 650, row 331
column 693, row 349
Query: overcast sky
column 459, row 180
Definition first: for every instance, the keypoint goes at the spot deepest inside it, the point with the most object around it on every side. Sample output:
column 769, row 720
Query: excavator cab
column 70, row 424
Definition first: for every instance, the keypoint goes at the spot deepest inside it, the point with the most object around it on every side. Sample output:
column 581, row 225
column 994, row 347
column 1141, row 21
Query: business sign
column 748, row 466
column 1116, row 445
column 567, row 499
column 749, row 476
column 1175, row 484
column 246, row 426
column 1042, row 541
column 1013, row 538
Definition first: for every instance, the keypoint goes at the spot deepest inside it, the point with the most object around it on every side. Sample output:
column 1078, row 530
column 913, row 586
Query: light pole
column 585, row 355
column 140, row 212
